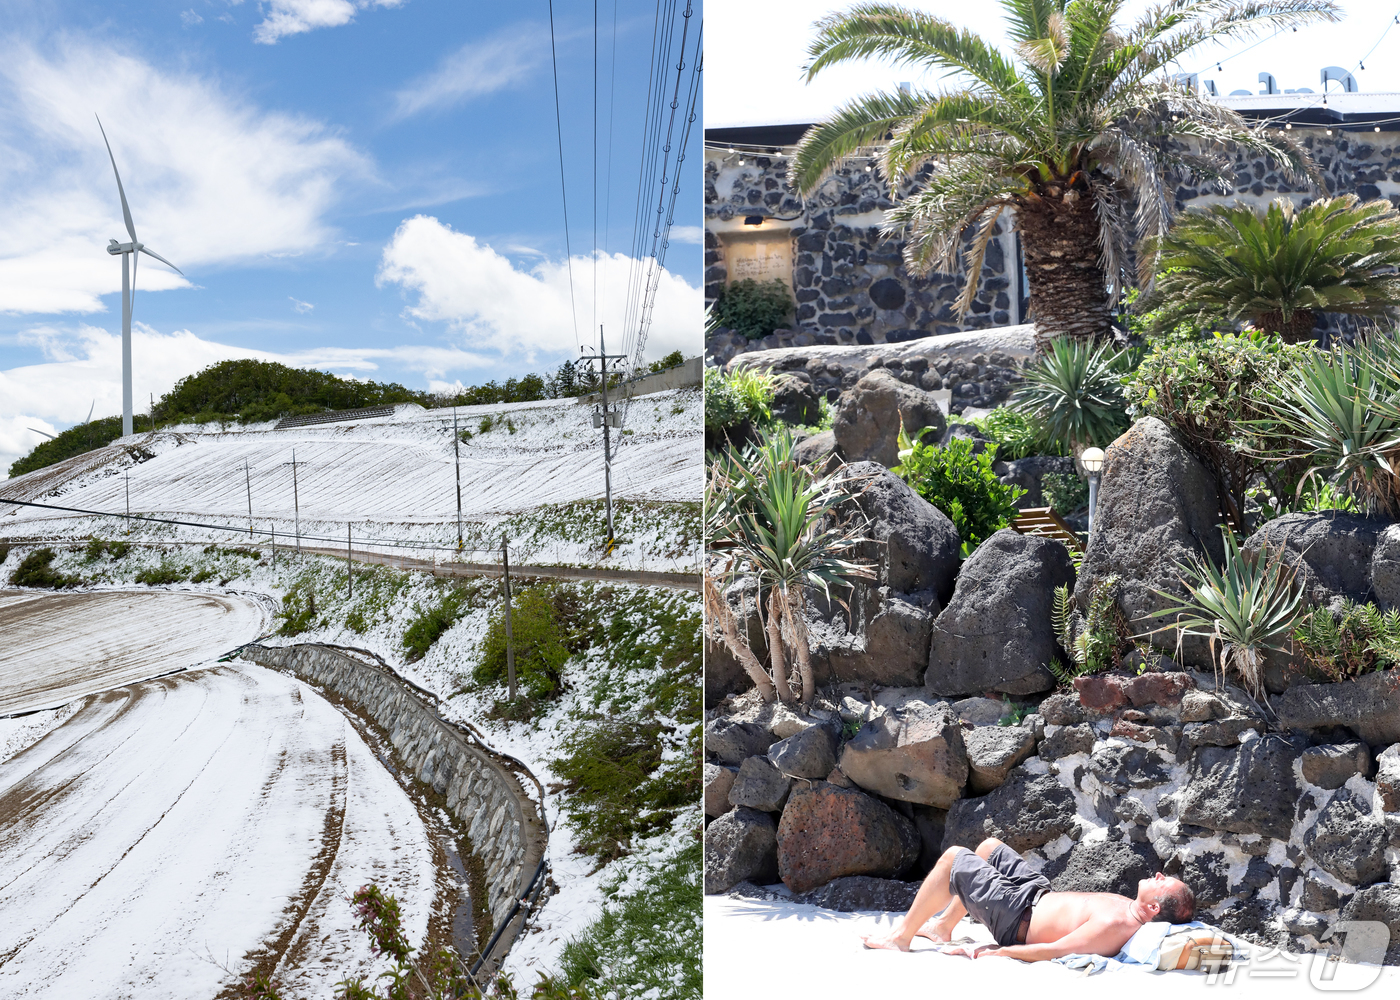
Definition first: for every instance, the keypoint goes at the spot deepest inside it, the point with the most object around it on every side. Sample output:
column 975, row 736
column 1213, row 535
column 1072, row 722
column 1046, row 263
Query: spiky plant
column 1341, row 410
column 1356, row 639
column 1074, row 391
column 1245, row 607
column 770, row 519
column 1279, row 267
column 1084, row 125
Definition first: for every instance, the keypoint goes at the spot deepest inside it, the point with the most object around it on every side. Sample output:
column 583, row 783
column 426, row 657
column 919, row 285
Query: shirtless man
column 1027, row 920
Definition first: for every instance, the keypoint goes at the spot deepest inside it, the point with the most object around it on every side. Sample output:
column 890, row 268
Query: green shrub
column 1064, row 491
column 960, row 484
column 732, row 399
column 203, row 576
column 487, row 422
column 1074, row 391
column 431, row 622
column 36, row 571
column 165, row 573
column 298, row 611
column 669, row 361
column 1216, row 395
column 4, row 551
column 607, row 768
column 544, row 627
column 754, row 309
column 1017, row 434
column 1356, row 640
column 96, row 547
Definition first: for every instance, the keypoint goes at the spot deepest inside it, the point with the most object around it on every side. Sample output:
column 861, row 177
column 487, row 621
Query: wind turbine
column 128, row 284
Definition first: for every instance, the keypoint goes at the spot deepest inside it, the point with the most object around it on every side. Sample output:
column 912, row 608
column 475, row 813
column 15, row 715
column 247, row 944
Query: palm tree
column 1086, row 124
column 769, row 519
column 1277, row 268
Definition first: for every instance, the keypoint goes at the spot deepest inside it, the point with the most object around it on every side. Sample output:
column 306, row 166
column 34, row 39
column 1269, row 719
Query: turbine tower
column 128, row 284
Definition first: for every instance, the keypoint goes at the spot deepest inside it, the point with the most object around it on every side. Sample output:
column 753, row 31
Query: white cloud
column 189, row 18
column 82, row 367
column 292, row 17
column 496, row 307
column 687, row 234
column 210, row 179
column 301, row 307
column 476, row 69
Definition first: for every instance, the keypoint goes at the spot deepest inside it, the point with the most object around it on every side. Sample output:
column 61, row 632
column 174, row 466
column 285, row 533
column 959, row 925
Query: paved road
column 123, row 636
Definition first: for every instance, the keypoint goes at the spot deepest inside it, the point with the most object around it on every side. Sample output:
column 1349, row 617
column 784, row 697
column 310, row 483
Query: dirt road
column 125, row 636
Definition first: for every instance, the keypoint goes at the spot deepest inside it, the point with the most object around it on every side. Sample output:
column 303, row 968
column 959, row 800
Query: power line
column 563, row 192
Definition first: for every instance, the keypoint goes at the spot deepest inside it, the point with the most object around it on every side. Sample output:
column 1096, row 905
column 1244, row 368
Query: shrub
column 1075, row 392
column 754, row 309
column 732, row 399
column 355, row 622
column 1245, row 607
column 4, row 550
column 607, row 767
column 961, row 484
column 202, row 576
column 1216, row 395
column 431, row 622
column 1357, row 639
column 160, row 575
column 96, row 547
column 544, row 628
column 669, row 361
column 298, row 611
column 36, row 571
column 487, row 422
column 1093, row 642
column 1064, row 491
column 1017, row 434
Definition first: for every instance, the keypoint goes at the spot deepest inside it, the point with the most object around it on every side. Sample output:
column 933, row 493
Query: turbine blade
column 126, row 212
column 90, row 409
column 163, row 261
column 45, row 433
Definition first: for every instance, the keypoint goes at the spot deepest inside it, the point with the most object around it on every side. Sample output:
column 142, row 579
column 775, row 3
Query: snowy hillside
column 532, row 470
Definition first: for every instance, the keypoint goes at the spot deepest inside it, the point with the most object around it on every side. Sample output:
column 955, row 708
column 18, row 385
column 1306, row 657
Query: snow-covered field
column 166, row 830
column 123, row 641
column 394, row 479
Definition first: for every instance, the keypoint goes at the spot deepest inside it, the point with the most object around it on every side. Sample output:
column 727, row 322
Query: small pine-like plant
column 1091, row 641
column 1356, row 640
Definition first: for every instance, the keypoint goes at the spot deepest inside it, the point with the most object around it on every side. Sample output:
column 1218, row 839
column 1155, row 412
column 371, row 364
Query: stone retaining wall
column 504, row 824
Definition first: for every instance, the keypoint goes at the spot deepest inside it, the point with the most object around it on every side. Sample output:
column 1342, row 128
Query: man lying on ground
column 1028, row 921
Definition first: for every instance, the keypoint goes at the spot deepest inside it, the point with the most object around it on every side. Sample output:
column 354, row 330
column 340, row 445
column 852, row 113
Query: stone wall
column 852, row 287
column 504, row 824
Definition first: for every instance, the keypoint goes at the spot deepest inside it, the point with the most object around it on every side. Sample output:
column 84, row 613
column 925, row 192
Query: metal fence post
column 457, row 461
column 510, row 639
column 126, row 476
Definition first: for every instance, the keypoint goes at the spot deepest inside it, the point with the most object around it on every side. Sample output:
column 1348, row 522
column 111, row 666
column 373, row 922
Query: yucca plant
column 772, row 520
column 1245, row 607
column 1341, row 409
column 1074, row 391
column 1279, row 267
column 1358, row 638
column 1073, row 140
column 1091, row 641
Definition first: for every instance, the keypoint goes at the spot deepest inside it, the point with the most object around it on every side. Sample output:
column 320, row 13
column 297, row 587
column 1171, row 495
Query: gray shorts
column 997, row 891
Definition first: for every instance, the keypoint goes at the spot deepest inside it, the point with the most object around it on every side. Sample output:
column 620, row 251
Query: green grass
column 645, row 941
column 435, row 619
column 165, row 573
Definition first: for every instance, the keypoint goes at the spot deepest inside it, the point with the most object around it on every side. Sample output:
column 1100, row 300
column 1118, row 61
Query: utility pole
column 457, row 460
column 510, row 640
column 296, row 501
column 248, row 482
column 126, row 476
column 608, row 419
column 349, row 568
column 153, row 413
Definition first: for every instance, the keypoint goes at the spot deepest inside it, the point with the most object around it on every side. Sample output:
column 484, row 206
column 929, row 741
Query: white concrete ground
column 779, row 949
column 126, row 636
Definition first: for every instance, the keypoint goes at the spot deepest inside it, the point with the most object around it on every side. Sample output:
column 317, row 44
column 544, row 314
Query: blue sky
column 367, row 186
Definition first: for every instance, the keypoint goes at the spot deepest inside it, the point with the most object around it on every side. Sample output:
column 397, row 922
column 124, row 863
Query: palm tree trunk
column 775, row 646
column 797, row 624
column 1068, row 288
column 1294, row 330
column 722, row 615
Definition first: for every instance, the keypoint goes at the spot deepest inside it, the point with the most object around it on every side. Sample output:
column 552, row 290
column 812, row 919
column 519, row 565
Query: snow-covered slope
column 395, row 478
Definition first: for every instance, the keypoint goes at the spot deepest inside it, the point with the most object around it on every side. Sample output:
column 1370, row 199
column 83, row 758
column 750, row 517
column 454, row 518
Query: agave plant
column 1065, row 140
column 1074, row 390
column 769, row 519
column 1342, row 411
column 1279, row 267
column 1247, row 605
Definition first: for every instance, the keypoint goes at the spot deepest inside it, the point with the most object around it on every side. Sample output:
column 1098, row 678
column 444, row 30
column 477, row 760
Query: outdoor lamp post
column 1093, row 464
